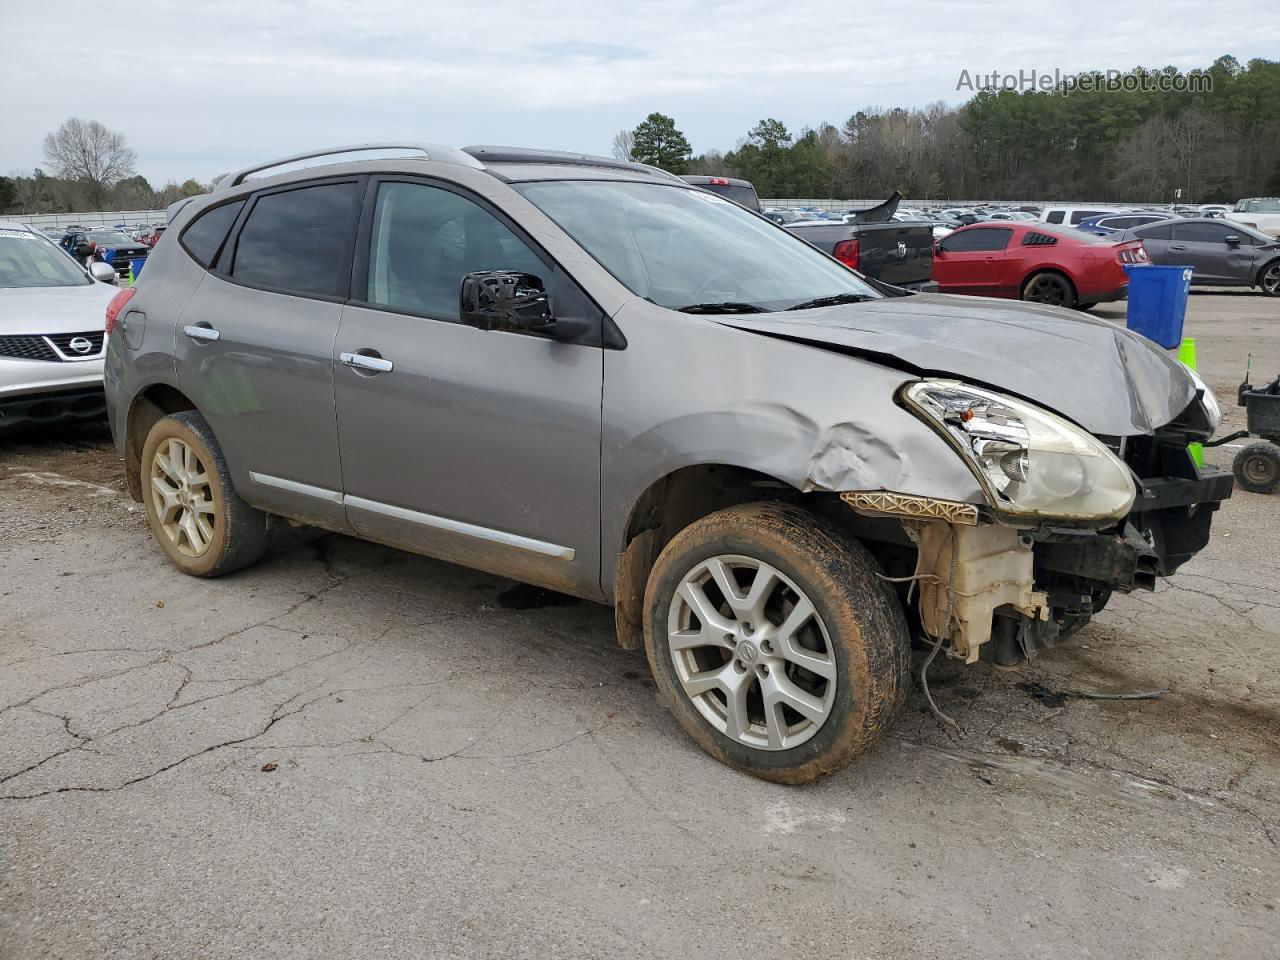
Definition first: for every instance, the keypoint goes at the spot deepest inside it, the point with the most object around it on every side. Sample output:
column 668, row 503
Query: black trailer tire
column 1257, row 468
column 195, row 514
column 855, row 639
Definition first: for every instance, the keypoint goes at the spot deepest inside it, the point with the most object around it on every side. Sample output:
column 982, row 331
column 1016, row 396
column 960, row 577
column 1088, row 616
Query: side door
column 254, row 344
column 1204, row 247
column 1155, row 240
column 477, row 447
column 972, row 260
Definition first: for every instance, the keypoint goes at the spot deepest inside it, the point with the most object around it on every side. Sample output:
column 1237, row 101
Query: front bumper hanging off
column 980, row 580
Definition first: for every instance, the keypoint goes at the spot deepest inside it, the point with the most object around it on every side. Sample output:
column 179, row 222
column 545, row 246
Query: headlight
column 1209, row 399
column 1032, row 464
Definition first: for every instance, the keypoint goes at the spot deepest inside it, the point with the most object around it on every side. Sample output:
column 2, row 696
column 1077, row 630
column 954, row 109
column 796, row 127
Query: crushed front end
column 991, row 583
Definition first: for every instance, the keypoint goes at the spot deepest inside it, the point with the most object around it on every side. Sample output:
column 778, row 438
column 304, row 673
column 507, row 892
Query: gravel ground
column 348, row 751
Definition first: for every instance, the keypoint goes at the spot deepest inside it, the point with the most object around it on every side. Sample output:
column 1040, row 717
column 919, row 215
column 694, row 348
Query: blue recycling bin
column 136, row 266
column 1158, row 302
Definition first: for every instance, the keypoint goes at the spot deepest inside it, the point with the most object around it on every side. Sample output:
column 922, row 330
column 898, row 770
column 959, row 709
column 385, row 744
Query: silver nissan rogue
column 589, row 375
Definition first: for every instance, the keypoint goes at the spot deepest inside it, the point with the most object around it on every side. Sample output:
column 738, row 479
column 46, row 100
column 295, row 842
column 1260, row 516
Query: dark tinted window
column 298, row 240
column 1054, row 216
column 1120, row 223
column 1201, row 232
column 983, row 238
column 1161, row 231
column 206, row 233
column 426, row 239
column 1078, row 215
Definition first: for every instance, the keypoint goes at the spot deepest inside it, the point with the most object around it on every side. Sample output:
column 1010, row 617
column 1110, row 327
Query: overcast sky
column 199, row 88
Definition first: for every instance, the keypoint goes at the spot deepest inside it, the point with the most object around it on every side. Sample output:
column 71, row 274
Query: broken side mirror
column 505, row 300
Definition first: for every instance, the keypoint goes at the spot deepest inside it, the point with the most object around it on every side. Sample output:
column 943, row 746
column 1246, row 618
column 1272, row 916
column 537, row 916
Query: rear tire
column 201, row 523
column 1257, row 468
column 1049, row 288
column 1086, row 307
column 820, row 633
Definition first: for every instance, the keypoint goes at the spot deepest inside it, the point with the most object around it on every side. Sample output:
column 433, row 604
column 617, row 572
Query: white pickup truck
column 1261, row 213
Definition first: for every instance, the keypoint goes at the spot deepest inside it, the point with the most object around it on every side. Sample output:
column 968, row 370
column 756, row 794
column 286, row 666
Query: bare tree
column 87, row 151
column 624, row 142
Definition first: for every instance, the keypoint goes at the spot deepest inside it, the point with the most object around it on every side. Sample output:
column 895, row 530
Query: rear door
column 972, row 260
column 898, row 253
column 1204, row 247
column 254, row 345
column 1156, row 239
column 478, row 447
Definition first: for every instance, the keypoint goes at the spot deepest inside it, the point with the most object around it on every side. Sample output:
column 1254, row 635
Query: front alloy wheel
column 751, row 652
column 183, row 501
column 1270, row 280
column 774, row 642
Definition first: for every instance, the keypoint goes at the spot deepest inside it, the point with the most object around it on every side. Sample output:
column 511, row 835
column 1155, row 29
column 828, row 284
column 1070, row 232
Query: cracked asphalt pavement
column 347, row 751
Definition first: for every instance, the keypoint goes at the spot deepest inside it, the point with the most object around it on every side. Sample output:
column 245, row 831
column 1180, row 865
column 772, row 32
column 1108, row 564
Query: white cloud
column 198, row 89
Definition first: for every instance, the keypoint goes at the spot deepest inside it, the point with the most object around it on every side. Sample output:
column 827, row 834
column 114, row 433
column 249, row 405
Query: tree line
column 1121, row 137
column 89, row 167
column 1139, row 136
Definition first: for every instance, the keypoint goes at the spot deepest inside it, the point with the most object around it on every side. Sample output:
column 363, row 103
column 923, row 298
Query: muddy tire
column 1257, row 468
column 774, row 643
column 195, row 514
column 1049, row 287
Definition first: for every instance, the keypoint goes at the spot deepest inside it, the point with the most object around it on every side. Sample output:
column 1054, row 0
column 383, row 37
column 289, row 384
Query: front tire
column 1269, row 279
column 201, row 523
column 1257, row 468
column 774, row 643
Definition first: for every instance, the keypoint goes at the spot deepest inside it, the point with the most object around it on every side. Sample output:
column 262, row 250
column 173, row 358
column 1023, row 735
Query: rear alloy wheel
column 1257, row 468
column 195, row 514
column 1270, row 279
column 1051, row 288
column 774, row 643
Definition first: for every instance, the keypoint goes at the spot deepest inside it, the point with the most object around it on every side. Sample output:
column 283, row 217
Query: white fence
column 101, row 218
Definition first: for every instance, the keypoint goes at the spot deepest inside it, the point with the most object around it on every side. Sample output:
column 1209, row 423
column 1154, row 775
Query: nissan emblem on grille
column 81, row 344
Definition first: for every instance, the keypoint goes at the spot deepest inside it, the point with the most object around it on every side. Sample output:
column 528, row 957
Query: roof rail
column 489, row 154
column 429, row 151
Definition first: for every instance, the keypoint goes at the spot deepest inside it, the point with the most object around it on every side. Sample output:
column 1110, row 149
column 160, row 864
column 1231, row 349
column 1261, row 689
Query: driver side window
column 426, row 239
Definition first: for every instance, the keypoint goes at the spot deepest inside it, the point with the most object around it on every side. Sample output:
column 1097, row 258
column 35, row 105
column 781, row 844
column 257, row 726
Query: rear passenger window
column 425, row 240
column 206, row 233
column 1054, row 216
column 1160, row 232
column 299, row 240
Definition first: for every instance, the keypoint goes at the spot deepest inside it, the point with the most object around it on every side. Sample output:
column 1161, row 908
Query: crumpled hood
column 1104, row 378
column 42, row 310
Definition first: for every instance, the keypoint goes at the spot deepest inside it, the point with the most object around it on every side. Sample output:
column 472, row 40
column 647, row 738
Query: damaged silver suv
column 589, row 375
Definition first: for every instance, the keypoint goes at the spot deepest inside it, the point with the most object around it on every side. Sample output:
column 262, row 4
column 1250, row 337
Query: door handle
column 362, row 361
column 1174, row 246
column 201, row 331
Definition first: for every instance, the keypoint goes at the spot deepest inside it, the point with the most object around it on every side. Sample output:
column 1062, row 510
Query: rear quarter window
column 203, row 238
column 1054, row 216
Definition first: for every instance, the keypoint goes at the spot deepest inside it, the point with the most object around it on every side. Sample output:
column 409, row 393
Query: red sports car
column 1035, row 261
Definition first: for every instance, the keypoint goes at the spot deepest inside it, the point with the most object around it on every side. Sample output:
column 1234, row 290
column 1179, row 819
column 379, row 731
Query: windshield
column 27, row 260
column 679, row 248
column 110, row 238
column 1258, row 206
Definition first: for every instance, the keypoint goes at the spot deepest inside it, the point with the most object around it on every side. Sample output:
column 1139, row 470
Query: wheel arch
column 668, row 505
column 150, row 404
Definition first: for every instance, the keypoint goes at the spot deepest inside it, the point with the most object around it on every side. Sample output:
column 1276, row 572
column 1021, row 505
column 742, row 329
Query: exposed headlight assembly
column 1213, row 409
column 1033, row 465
